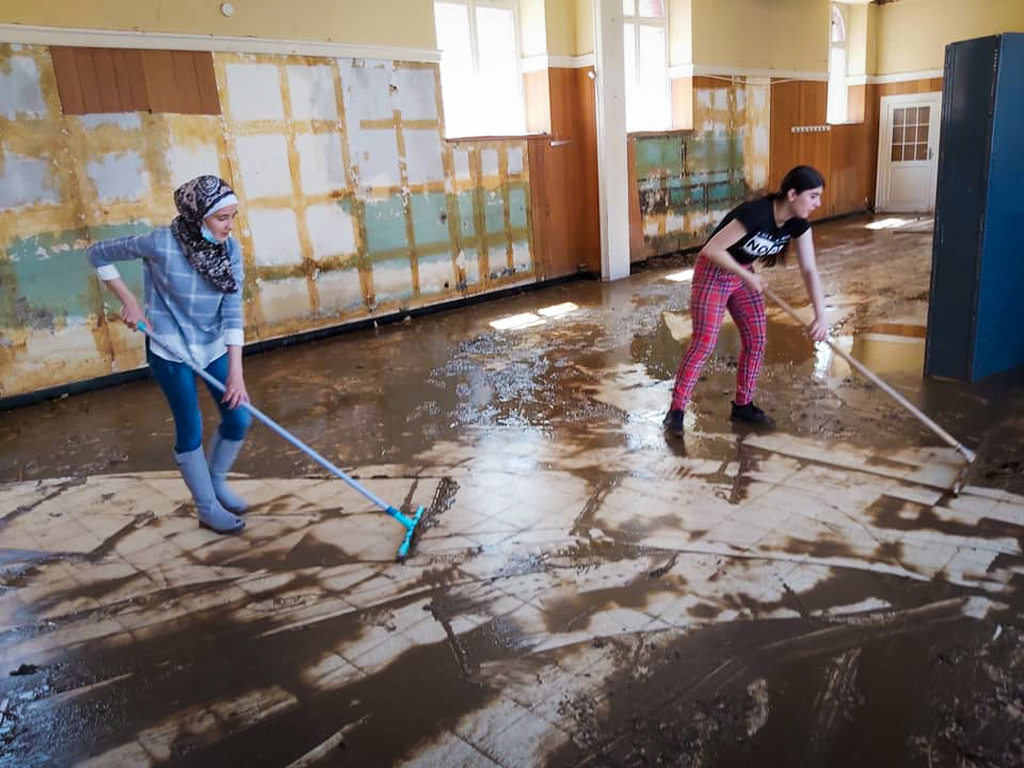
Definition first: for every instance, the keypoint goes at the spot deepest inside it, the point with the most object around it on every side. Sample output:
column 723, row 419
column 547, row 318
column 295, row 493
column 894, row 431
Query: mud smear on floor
column 813, row 693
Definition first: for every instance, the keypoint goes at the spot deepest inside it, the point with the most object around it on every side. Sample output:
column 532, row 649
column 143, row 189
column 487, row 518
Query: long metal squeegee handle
column 960, row 448
column 257, row 413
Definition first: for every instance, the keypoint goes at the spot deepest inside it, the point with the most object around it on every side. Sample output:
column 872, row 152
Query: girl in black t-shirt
column 724, row 278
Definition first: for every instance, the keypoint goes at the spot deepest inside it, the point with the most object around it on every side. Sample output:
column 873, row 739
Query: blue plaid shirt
column 188, row 314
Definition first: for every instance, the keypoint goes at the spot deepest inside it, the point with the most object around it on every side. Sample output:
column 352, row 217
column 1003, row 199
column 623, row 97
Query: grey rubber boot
column 222, row 455
column 197, row 477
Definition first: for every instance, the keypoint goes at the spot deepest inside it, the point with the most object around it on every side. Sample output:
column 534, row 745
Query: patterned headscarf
column 194, row 201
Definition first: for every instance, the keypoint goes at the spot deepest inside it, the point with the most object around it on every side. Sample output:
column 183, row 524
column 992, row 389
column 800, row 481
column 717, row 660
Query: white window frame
column 637, row 21
column 508, row 5
column 837, row 104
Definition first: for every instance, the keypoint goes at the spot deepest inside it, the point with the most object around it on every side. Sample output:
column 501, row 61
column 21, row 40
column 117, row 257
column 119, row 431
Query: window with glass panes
column 837, row 104
column 645, row 31
column 481, row 82
column 910, row 133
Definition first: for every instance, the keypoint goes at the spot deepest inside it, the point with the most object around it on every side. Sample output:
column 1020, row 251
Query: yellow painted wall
column 532, row 27
column 913, row 34
column 857, row 39
column 871, row 53
column 780, row 34
column 680, row 32
column 404, row 23
column 561, row 27
column 584, row 23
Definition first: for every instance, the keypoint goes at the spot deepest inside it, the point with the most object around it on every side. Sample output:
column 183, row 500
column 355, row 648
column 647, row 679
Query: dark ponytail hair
column 800, row 179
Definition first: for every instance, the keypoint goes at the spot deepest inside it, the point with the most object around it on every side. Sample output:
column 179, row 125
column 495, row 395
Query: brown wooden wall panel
column 106, row 80
column 209, row 99
column 538, row 101
column 68, row 87
column 639, row 250
column 131, row 84
column 126, row 80
column 161, row 82
column 682, row 103
column 847, row 154
column 186, row 82
column 85, row 66
column 589, row 222
column 563, row 179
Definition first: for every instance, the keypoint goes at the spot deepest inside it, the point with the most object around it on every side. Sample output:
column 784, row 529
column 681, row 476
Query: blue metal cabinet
column 975, row 318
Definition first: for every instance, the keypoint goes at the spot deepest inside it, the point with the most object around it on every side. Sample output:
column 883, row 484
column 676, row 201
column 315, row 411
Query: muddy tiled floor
column 584, row 591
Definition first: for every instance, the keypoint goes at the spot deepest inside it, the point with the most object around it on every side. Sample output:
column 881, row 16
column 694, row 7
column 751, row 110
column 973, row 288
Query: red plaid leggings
column 713, row 291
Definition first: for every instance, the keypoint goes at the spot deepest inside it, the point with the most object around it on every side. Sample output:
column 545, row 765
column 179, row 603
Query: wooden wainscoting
column 563, row 180
column 847, row 154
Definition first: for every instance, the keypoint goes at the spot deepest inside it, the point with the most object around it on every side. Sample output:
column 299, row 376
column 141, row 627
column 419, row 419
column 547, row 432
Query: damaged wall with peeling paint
column 687, row 181
column 353, row 204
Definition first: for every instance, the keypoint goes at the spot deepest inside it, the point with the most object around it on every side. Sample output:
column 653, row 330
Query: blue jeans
column 178, row 382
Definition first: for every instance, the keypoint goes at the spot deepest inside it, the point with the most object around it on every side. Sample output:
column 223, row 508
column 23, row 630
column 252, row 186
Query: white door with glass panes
column 908, row 153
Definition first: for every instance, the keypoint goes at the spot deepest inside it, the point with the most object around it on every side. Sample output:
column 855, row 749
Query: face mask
column 207, row 234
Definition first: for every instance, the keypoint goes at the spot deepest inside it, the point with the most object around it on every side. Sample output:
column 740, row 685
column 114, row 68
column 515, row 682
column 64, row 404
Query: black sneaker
column 673, row 422
column 751, row 414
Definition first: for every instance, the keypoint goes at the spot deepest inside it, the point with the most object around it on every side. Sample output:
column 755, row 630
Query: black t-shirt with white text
column 764, row 240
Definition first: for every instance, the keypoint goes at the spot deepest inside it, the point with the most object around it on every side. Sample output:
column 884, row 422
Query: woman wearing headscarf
column 192, row 308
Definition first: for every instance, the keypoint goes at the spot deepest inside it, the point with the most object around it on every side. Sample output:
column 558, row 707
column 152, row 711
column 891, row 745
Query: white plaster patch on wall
column 675, row 222
column 759, row 176
column 423, row 156
column 119, row 176
column 489, row 162
column 20, row 94
column 375, row 158
column 128, row 121
column 187, row 162
column 275, row 236
column 367, row 91
column 741, row 98
column 760, row 92
column 331, row 231
column 650, row 227
column 707, row 218
column 263, row 161
column 720, row 98
column 311, row 89
column 254, row 92
column 392, row 280
column 416, row 96
column 321, row 163
column 704, row 97
column 760, row 139
column 469, row 260
column 25, row 181
column 374, row 151
column 521, row 260
column 435, row 272
column 284, row 299
column 515, row 161
column 462, row 172
column 340, row 290
column 62, row 347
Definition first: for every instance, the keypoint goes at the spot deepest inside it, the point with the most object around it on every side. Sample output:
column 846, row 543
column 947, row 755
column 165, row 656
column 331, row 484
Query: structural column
column 612, row 168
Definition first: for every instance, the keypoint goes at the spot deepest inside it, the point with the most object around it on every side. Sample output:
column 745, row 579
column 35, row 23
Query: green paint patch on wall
column 494, row 211
column 517, row 208
column 48, row 278
column 430, row 218
column 468, row 228
column 385, row 225
column 658, row 154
